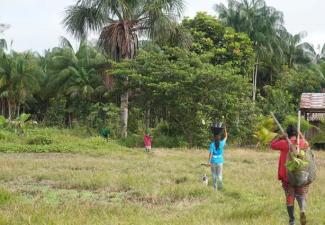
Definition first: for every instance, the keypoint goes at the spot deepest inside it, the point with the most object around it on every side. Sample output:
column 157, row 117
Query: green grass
column 123, row 186
column 42, row 140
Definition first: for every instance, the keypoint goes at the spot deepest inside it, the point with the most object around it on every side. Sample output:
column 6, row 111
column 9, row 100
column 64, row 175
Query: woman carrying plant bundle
column 216, row 156
column 281, row 143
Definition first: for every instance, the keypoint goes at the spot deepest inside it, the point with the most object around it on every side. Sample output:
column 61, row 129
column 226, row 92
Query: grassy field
column 131, row 187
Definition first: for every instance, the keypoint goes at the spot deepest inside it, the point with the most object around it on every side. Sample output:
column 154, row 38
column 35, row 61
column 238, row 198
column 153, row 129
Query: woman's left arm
column 225, row 133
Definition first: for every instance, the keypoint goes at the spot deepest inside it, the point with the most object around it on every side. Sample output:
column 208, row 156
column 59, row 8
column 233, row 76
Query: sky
column 36, row 24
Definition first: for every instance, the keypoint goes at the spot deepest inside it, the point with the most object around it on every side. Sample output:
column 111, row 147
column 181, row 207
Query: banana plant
column 20, row 123
column 264, row 131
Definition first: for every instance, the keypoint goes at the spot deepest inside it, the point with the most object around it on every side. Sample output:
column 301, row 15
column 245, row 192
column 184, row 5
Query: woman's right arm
column 279, row 143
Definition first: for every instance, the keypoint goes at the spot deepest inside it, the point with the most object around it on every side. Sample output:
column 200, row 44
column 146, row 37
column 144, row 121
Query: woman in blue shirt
column 216, row 158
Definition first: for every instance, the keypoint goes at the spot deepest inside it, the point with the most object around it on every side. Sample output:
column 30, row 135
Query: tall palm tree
column 7, row 72
column 120, row 23
column 19, row 73
column 27, row 78
column 314, row 54
column 262, row 24
column 293, row 48
column 74, row 73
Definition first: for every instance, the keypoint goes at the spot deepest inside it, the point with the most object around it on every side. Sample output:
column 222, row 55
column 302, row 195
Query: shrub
column 40, row 140
column 319, row 140
column 169, row 142
column 6, row 135
column 17, row 148
column 2, row 135
column 133, row 140
column 97, row 141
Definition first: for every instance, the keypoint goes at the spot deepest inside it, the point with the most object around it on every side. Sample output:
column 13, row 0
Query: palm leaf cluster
column 29, row 80
column 274, row 45
column 122, row 22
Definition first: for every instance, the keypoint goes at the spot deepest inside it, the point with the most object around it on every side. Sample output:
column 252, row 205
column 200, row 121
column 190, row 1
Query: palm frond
column 322, row 53
column 3, row 44
column 81, row 18
column 118, row 40
column 308, row 50
column 65, row 43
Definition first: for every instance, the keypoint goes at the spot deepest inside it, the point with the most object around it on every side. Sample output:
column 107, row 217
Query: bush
column 169, row 142
column 55, row 115
column 40, row 140
column 162, row 128
column 97, row 141
column 2, row 135
column 6, row 135
column 133, row 140
column 319, row 139
column 18, row 148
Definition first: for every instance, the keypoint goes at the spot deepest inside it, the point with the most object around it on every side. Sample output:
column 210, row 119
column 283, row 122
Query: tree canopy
column 177, row 79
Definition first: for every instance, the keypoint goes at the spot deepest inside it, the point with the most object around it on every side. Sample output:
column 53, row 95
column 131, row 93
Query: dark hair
column 291, row 131
column 217, row 141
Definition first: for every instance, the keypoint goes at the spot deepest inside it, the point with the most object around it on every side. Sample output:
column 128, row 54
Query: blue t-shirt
column 217, row 154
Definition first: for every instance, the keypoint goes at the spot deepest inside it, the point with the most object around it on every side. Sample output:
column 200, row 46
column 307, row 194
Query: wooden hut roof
column 312, row 102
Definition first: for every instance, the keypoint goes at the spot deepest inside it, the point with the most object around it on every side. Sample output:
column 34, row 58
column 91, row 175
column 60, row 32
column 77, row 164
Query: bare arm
column 226, row 133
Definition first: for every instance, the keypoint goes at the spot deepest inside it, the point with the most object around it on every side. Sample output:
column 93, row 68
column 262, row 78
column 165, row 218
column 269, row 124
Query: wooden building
column 312, row 106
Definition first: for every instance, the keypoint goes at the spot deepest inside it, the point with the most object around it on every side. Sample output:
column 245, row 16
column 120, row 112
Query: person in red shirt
column 281, row 144
column 147, row 141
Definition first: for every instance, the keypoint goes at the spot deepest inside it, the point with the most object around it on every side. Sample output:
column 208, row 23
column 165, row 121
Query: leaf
column 23, row 117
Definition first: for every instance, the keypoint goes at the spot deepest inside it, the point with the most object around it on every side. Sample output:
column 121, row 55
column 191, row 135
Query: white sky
column 36, row 24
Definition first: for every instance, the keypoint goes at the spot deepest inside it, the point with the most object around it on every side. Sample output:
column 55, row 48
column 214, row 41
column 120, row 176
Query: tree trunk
column 255, row 80
column 13, row 110
column 18, row 110
column 190, row 140
column 70, row 120
column 147, row 118
column 2, row 107
column 253, row 83
column 10, row 100
column 124, row 114
column 9, row 109
column 290, row 61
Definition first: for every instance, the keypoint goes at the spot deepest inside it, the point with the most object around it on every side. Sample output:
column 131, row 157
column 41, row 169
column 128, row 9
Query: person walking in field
column 147, row 140
column 216, row 159
column 300, row 193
